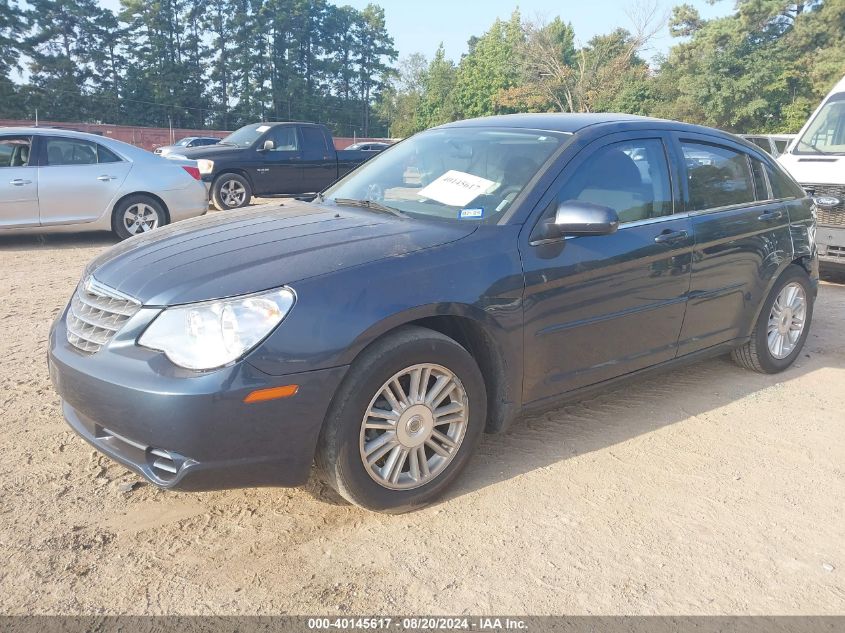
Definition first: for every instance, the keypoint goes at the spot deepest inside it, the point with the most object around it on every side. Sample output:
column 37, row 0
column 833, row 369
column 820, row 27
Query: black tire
column 339, row 455
column 121, row 226
column 224, row 202
column 755, row 354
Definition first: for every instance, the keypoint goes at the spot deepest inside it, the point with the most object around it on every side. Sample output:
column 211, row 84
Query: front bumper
column 187, row 430
column 831, row 244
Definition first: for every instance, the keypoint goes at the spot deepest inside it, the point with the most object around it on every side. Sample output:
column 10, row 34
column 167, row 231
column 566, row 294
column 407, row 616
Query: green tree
column 491, row 67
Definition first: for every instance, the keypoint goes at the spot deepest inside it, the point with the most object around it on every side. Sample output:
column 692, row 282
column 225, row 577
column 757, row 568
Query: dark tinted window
column 631, row 177
column 106, row 155
column 781, row 145
column 207, row 141
column 314, row 141
column 782, row 185
column 67, row 151
column 759, row 180
column 716, row 176
column 284, row 138
column 15, row 151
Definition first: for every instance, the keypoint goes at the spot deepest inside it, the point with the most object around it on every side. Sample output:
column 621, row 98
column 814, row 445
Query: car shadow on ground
column 57, row 241
column 641, row 406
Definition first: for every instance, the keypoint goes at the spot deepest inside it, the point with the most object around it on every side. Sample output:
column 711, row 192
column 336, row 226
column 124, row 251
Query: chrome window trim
column 627, row 225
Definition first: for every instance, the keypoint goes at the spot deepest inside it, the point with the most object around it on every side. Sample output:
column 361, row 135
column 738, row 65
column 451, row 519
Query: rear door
column 18, row 182
column 78, row 180
column 597, row 307
column 741, row 234
column 319, row 162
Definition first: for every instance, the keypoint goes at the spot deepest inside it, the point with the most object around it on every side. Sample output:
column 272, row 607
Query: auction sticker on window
column 456, row 188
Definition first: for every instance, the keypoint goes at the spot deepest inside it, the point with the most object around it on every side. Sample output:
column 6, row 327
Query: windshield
column 246, row 136
column 465, row 174
column 826, row 132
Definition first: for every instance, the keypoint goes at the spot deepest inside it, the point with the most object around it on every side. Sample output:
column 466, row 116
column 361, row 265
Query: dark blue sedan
column 467, row 275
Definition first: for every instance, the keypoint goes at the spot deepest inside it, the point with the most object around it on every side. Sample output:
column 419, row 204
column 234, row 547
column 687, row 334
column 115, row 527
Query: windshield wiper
column 370, row 204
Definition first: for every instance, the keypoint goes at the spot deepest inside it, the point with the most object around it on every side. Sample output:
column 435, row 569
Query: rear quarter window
column 783, row 186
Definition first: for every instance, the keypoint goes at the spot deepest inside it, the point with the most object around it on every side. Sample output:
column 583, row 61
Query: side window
column 15, row 151
column 284, row 138
column 782, row 185
column 760, row 185
column 314, row 141
column 716, row 176
column 631, row 177
column 67, row 151
column 106, row 155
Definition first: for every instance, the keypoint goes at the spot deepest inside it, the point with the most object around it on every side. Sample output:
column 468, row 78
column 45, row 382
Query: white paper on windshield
column 456, row 188
column 262, row 128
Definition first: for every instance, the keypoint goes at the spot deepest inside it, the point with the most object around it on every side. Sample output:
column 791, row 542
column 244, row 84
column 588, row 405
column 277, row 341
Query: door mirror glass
column 574, row 217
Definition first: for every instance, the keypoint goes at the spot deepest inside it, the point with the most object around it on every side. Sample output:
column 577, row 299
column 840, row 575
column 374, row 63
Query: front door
column 78, row 180
column 742, row 238
column 597, row 307
column 18, row 182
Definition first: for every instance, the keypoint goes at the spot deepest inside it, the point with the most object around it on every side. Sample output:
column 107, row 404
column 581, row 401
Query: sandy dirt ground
column 708, row 490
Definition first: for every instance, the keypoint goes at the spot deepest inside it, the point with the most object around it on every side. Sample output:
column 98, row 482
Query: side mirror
column 573, row 217
column 268, row 146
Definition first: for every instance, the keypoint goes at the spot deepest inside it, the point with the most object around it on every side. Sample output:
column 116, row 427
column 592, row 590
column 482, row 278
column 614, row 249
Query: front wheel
column 782, row 327
column 230, row 191
column 404, row 423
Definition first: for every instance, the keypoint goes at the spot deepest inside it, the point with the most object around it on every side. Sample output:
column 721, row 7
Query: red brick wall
column 148, row 137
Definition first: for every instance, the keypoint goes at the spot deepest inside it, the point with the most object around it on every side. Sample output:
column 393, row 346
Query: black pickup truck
column 295, row 159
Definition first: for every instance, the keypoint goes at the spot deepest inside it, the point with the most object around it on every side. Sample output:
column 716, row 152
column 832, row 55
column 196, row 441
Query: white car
column 54, row 180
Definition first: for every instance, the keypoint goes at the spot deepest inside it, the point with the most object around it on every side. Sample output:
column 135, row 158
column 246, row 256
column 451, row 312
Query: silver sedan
column 60, row 181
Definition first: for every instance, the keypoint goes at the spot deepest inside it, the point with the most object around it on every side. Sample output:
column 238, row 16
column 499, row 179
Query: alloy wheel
column 232, row 193
column 140, row 218
column 786, row 320
column 413, row 426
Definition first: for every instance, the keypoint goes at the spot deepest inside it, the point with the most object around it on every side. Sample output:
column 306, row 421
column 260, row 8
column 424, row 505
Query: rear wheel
column 404, row 423
column 231, row 191
column 137, row 214
column 782, row 326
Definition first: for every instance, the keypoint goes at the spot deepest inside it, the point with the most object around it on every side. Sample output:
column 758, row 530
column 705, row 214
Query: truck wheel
column 137, row 214
column 782, row 326
column 230, row 191
column 404, row 422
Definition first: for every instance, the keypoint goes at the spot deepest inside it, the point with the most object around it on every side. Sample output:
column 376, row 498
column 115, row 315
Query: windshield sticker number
column 471, row 214
column 456, row 188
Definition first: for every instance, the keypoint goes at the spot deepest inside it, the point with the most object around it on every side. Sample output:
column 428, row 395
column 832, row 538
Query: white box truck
column 816, row 159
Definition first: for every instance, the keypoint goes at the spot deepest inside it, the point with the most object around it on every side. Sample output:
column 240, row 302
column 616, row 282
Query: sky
column 419, row 27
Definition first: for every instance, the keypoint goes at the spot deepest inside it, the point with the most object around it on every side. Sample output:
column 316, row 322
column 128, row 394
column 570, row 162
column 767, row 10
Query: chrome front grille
column 828, row 216
column 96, row 314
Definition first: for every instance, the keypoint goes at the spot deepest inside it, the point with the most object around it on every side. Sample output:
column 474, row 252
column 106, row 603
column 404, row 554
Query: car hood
column 228, row 254
column 209, row 151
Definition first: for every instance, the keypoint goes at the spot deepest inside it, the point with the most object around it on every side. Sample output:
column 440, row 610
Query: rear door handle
column 770, row 216
column 670, row 237
column 106, row 178
column 20, row 182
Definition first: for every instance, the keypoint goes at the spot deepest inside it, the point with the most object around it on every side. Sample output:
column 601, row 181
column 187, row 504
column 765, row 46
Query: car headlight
column 205, row 166
column 212, row 334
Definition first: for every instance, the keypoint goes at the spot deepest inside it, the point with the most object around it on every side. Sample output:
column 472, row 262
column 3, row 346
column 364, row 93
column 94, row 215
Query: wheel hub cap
column 786, row 320
column 413, row 427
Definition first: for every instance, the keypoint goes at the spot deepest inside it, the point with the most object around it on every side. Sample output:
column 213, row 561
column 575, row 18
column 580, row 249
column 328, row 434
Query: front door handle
column 670, row 237
column 106, row 178
column 20, row 182
column 770, row 216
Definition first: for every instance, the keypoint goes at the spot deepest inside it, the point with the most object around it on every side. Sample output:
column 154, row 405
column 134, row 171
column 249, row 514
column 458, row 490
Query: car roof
column 575, row 122
column 53, row 131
